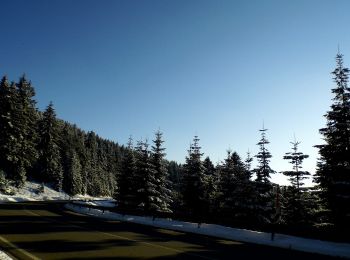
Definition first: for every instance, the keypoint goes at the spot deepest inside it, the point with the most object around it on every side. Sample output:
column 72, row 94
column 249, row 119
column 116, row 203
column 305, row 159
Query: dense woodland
column 35, row 145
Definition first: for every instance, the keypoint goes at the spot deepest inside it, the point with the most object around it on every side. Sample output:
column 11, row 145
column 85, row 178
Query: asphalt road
column 46, row 230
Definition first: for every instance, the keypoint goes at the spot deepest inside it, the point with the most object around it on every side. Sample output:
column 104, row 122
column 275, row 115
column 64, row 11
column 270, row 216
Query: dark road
column 46, row 230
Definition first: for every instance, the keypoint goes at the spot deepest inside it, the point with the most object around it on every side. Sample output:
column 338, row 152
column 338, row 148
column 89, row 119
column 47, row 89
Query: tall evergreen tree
column 163, row 185
column 126, row 196
column 49, row 162
column 263, row 169
column 26, row 122
column 264, row 190
column 333, row 168
column 235, row 189
column 7, row 135
column 248, row 162
column 145, row 182
column 75, row 183
column 209, row 168
column 18, row 119
column 210, row 181
column 296, row 176
column 194, row 181
column 295, row 207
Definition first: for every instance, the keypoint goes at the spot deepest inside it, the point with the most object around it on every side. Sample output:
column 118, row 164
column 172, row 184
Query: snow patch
column 4, row 256
column 263, row 238
column 99, row 202
column 30, row 192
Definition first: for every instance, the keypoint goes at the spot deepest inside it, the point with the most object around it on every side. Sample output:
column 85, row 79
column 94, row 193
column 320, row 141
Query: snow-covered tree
column 18, row 133
column 145, row 182
column 163, row 186
column 75, row 181
column 49, row 162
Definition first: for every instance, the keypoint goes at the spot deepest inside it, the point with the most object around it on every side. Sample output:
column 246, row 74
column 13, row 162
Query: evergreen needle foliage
column 333, row 168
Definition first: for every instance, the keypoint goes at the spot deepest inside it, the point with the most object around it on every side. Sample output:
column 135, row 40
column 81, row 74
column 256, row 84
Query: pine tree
column 295, row 207
column 163, row 185
column 227, row 186
column 235, row 189
column 18, row 118
column 264, row 190
column 209, row 168
column 7, row 155
column 194, row 181
column 248, row 162
column 93, row 185
column 49, row 162
column 75, row 181
column 145, row 181
column 333, row 168
column 210, row 180
column 296, row 159
column 263, row 169
column 126, row 196
column 26, row 119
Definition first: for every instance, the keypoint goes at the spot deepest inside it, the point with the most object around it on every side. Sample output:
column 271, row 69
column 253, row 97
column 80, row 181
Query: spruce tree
column 227, row 185
column 26, row 119
column 49, row 162
column 235, row 189
column 18, row 119
column 209, row 168
column 264, row 190
column 295, row 202
column 75, row 181
column 333, row 167
column 7, row 135
column 126, row 196
column 263, row 169
column 248, row 162
column 210, row 181
column 296, row 176
column 93, row 185
column 145, row 182
column 163, row 185
column 194, row 181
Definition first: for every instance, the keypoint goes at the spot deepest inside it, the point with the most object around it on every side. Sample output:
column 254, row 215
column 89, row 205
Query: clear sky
column 213, row 68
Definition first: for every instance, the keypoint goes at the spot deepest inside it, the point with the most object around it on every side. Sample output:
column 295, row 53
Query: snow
column 30, row 193
column 102, row 203
column 280, row 240
column 4, row 256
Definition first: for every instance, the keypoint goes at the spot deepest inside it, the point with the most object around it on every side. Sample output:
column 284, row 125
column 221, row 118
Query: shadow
column 69, row 232
column 53, row 246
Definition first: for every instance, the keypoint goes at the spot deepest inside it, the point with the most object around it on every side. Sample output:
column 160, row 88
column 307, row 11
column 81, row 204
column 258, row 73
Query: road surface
column 46, row 230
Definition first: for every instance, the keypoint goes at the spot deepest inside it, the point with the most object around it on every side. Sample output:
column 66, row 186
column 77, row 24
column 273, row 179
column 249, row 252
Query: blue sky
column 213, row 68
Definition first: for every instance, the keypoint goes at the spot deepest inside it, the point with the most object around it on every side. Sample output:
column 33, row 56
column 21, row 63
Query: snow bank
column 4, row 256
column 108, row 203
column 30, row 192
column 282, row 241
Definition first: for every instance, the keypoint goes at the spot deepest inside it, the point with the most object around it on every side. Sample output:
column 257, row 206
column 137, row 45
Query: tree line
column 36, row 145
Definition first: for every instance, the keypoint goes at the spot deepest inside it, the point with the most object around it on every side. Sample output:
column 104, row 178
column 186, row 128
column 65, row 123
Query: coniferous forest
column 36, row 145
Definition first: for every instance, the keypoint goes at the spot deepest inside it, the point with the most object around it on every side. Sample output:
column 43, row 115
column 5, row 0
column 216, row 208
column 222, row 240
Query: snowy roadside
column 30, row 192
column 101, row 203
column 4, row 256
column 280, row 240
